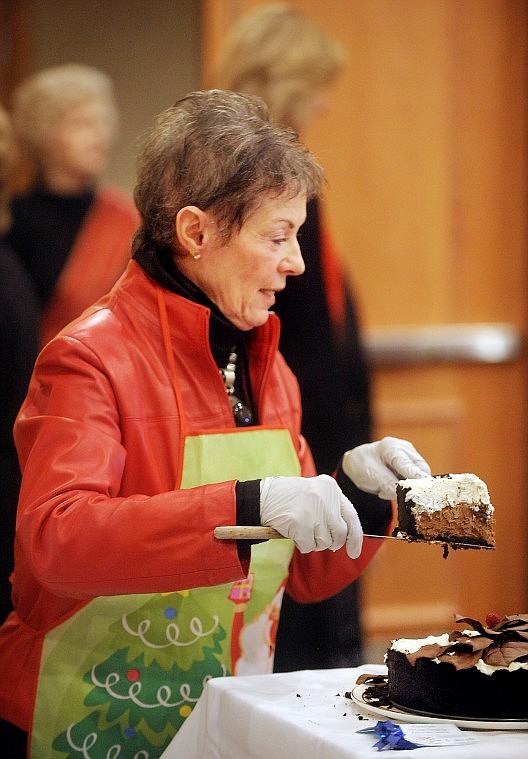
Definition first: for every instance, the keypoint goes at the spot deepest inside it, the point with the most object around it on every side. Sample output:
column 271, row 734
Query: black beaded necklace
column 242, row 414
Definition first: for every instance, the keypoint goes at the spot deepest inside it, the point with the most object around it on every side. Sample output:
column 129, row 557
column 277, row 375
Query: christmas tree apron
column 119, row 677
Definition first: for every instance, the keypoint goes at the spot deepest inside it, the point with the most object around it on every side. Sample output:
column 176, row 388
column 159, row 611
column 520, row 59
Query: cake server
column 260, row 532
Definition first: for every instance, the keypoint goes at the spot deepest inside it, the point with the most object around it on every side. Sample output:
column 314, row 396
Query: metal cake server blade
column 260, row 532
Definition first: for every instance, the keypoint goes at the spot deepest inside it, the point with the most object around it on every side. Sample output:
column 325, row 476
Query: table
column 305, row 715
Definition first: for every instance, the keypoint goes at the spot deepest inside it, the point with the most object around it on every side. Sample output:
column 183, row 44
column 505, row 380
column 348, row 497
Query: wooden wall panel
column 425, row 150
column 14, row 46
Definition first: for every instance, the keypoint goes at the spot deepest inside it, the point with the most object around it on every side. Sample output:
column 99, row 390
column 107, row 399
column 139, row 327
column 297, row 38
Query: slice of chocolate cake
column 452, row 508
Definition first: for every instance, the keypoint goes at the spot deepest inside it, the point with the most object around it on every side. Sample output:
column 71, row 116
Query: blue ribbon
column 391, row 737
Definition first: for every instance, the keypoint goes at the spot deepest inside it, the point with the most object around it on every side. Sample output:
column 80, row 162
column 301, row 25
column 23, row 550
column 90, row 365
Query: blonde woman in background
column 72, row 234
column 279, row 54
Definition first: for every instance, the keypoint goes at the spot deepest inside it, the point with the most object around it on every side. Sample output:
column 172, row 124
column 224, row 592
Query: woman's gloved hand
column 312, row 511
column 377, row 467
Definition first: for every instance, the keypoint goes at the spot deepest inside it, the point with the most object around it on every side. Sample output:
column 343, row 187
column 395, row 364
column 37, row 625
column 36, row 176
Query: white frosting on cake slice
column 430, row 494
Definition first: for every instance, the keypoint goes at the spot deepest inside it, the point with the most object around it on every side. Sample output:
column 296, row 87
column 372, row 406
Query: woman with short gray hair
column 165, row 412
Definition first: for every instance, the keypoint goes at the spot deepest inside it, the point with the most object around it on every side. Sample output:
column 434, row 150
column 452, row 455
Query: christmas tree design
column 153, row 667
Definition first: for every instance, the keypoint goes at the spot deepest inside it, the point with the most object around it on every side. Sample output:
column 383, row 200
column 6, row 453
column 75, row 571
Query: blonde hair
column 8, row 154
column 40, row 102
column 281, row 55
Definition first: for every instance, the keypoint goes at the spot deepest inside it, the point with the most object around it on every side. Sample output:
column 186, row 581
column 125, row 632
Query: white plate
column 386, row 712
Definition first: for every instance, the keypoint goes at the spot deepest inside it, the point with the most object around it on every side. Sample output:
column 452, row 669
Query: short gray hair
column 218, row 151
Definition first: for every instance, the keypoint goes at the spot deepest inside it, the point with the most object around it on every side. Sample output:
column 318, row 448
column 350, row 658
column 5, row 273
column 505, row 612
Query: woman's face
column 79, row 145
column 243, row 275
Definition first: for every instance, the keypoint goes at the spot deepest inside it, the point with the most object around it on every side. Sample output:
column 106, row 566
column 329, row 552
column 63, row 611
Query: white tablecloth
column 305, row 715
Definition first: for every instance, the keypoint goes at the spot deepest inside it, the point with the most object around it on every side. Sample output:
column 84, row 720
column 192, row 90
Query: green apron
column 120, row 676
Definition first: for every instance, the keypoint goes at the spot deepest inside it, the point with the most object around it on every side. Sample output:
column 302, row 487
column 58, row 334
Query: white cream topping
column 411, row 645
column 436, row 493
column 488, row 669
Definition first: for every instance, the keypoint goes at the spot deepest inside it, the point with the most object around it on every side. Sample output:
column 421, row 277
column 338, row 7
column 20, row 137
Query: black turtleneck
column 43, row 231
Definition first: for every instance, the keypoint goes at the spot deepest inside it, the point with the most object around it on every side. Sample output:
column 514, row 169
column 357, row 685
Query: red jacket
column 98, row 257
column 99, row 442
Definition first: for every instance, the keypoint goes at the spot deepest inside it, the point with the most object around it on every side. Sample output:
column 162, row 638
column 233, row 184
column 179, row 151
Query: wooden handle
column 257, row 532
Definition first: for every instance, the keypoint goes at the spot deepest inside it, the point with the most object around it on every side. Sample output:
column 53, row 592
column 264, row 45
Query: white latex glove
column 312, row 511
column 377, row 467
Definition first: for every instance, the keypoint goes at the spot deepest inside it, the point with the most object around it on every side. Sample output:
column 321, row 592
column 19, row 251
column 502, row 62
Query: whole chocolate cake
column 480, row 673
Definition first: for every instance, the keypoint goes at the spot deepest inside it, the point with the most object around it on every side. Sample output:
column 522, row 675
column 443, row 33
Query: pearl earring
column 197, row 256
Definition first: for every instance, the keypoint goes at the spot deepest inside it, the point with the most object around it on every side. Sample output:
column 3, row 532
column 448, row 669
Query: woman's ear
column 191, row 224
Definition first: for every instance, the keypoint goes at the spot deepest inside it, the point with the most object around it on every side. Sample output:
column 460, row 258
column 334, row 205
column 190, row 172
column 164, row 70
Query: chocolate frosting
column 498, row 643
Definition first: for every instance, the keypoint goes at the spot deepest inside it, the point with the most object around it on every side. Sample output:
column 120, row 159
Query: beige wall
column 425, row 150
column 149, row 47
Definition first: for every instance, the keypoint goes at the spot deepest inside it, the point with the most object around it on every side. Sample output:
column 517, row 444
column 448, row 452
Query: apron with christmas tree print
column 120, row 676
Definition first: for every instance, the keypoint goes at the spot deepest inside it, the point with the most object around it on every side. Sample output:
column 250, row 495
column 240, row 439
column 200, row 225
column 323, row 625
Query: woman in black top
column 279, row 54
